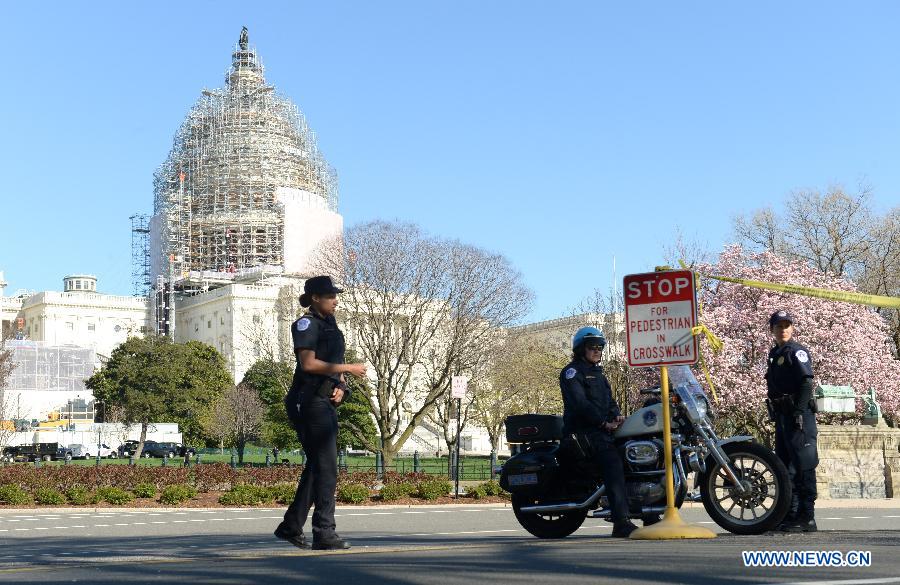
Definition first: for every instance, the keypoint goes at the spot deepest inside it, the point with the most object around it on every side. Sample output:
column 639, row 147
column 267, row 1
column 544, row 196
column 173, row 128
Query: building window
column 143, row 329
column 70, row 326
column 77, row 285
column 92, row 327
column 196, row 327
column 209, row 324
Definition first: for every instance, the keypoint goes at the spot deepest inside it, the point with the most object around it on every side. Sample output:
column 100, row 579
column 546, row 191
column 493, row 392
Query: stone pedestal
column 858, row 462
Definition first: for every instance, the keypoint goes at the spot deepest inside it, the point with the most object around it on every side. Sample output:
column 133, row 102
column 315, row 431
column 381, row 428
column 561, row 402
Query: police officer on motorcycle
column 789, row 379
column 590, row 413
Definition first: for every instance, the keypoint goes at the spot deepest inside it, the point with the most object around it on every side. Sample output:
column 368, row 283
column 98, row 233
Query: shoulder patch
column 303, row 324
column 570, row 373
column 802, row 356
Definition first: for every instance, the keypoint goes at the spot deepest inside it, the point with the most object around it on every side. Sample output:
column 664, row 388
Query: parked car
column 33, row 452
column 166, row 449
column 127, row 448
column 105, row 452
column 69, row 452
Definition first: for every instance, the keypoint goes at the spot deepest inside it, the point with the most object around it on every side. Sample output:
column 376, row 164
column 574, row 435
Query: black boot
column 802, row 525
column 623, row 529
column 333, row 542
column 295, row 538
column 650, row 519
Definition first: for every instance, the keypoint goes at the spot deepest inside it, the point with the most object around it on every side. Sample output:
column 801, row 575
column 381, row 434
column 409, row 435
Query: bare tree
column 835, row 232
column 524, row 378
column 7, row 425
column 236, row 417
column 831, row 231
column 761, row 231
column 419, row 310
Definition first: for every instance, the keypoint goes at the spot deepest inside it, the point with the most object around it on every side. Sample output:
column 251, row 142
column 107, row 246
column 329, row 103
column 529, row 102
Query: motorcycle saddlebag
column 532, row 428
column 530, row 471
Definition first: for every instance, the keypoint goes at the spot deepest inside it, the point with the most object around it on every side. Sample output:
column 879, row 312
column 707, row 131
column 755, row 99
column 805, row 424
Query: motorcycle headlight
column 702, row 406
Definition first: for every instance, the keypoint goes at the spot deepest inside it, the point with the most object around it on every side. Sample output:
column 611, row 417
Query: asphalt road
column 428, row 545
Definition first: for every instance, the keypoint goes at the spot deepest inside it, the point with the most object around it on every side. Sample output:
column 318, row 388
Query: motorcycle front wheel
column 763, row 506
column 556, row 525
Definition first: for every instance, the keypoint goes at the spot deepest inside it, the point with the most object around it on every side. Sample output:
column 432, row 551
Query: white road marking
column 101, row 525
column 832, row 518
column 848, row 582
column 860, row 517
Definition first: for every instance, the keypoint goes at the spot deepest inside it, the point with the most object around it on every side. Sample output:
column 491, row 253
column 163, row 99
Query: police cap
column 317, row 285
column 778, row 317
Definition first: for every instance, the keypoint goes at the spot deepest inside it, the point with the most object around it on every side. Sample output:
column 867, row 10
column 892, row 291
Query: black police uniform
column 789, row 379
column 588, row 404
column 314, row 417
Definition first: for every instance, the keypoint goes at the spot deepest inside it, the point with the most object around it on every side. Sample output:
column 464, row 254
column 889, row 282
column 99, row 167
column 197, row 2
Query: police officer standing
column 590, row 413
column 789, row 379
column 317, row 389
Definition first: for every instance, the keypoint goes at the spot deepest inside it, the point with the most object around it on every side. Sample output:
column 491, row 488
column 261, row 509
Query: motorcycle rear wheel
column 768, row 501
column 557, row 525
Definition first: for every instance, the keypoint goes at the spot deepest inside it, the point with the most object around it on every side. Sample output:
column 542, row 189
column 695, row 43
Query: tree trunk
column 240, row 443
column 141, row 441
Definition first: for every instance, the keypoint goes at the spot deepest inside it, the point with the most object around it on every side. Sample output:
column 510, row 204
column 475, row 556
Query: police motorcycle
column 744, row 487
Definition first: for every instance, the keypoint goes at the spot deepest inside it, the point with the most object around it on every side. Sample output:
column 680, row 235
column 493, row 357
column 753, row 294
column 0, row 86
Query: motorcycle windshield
column 682, row 376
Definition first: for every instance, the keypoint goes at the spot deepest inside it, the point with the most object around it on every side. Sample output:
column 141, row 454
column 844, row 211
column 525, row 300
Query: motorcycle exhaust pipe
column 645, row 510
column 569, row 507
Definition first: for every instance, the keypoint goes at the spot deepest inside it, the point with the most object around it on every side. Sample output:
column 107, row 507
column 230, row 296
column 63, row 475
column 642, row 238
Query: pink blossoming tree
column 849, row 343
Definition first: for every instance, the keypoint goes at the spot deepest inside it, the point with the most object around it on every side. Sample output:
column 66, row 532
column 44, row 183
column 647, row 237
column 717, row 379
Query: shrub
column 114, row 495
column 175, row 494
column 81, row 496
column 144, row 490
column 49, row 496
column 432, row 489
column 13, row 494
column 477, row 492
column 353, row 493
column 247, row 495
column 395, row 491
column 486, row 489
column 283, row 493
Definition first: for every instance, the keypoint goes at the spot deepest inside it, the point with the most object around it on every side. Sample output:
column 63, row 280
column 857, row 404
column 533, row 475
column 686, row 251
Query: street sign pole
column 458, row 386
column 660, row 312
column 458, row 409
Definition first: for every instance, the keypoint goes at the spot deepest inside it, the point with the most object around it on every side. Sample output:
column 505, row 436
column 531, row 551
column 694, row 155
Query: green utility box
column 836, row 399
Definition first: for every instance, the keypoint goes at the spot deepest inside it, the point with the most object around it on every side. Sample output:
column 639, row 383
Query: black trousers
column 316, row 426
column 798, row 451
column 606, row 456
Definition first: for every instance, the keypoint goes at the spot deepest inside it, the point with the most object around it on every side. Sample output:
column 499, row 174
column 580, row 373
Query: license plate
column 523, row 479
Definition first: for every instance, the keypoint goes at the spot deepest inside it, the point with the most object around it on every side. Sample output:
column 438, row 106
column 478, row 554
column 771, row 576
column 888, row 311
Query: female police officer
column 591, row 413
column 316, row 391
column 789, row 379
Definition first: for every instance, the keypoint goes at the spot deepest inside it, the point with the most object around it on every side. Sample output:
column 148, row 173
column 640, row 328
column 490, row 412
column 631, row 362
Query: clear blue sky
column 558, row 134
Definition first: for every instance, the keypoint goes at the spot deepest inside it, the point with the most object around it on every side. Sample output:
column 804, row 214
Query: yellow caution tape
column 822, row 293
column 716, row 344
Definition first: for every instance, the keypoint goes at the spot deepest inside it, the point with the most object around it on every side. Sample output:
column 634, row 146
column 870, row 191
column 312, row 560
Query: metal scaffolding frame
column 140, row 254
column 215, row 195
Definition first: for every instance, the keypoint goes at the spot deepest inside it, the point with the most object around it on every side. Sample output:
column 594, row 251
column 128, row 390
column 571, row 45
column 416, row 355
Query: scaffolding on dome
column 140, row 254
column 216, row 213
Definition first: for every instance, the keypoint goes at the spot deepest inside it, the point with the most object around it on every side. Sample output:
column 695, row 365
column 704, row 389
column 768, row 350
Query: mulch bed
column 211, row 500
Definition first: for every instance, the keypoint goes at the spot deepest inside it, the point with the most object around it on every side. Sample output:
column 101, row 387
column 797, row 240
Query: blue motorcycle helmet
column 588, row 335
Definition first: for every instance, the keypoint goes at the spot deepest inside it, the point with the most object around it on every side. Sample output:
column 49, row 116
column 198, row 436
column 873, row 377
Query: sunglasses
column 595, row 348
